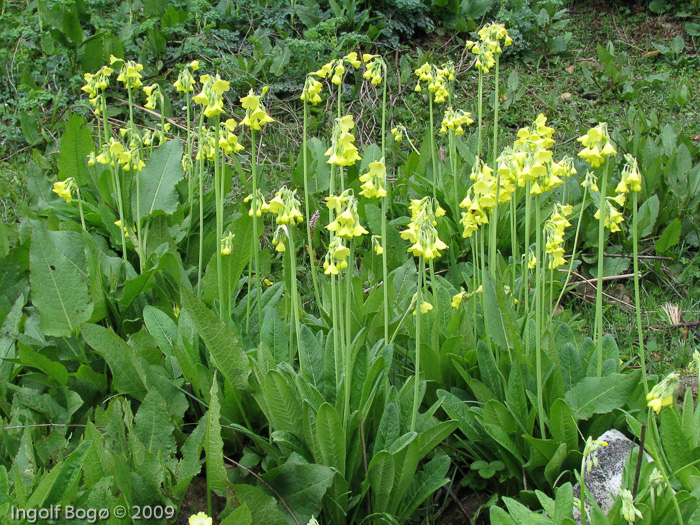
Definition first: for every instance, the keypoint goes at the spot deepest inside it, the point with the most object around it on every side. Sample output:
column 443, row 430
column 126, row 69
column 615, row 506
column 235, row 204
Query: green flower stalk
column 440, row 86
column 597, row 148
column 311, row 94
column 255, row 118
column 631, row 181
column 426, row 245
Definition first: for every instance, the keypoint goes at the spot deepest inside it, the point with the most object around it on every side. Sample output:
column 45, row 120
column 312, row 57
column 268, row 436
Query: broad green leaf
column 489, row 371
column 217, row 478
column 564, row 503
column 59, row 291
column 331, row 438
column 68, row 476
column 599, row 395
column 302, row 486
column 516, row 400
column 381, row 480
column 158, row 181
column 54, row 369
column 263, row 508
column 232, row 266
column 153, row 426
column 274, row 334
column 425, row 483
column 76, row 144
column 495, row 413
column 571, row 365
column 120, row 357
column 311, row 353
column 223, row 344
column 646, row 216
column 283, row 405
column 389, row 428
column 562, row 424
column 675, row 442
column 240, row 516
column 522, row 514
column 496, row 324
column 670, row 236
column 553, row 469
column 498, row 516
column 164, row 331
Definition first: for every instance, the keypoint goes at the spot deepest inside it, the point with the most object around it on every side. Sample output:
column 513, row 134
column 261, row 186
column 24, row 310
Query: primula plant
column 344, row 337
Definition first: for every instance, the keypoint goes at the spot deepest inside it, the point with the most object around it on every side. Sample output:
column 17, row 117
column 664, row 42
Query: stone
column 604, row 481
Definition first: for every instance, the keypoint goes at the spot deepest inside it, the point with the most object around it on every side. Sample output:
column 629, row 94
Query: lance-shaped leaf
column 58, row 289
column 158, row 181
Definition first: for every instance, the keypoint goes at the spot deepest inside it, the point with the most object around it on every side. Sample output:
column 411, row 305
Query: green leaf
column 213, row 443
column 58, row 289
column 274, row 334
column 599, row 395
column 54, row 369
column 76, row 144
column 647, row 215
column 311, row 352
column 153, row 426
column 497, row 327
column 240, row 516
column 424, row 485
column 68, row 476
column 283, row 405
column 164, row 331
column 301, row 486
column 389, row 428
column 232, row 266
column 670, row 236
column 562, row 424
column 381, row 479
column 498, row 516
column 675, row 442
column 571, row 365
column 158, row 181
column 223, row 344
column 263, row 508
column 331, row 438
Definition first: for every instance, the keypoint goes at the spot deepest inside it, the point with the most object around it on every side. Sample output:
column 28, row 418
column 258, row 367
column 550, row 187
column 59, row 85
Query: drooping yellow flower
column 630, row 180
column 153, row 95
column 260, row 205
column 64, row 188
column 286, row 206
column 374, row 181
column 453, row 120
column 343, row 151
column 129, row 73
column 489, row 46
column 227, row 243
column 439, row 80
column 211, row 96
column 312, row 90
column 255, row 113
column 185, row 80
column 347, row 223
column 422, row 231
column 662, row 394
column 597, row 145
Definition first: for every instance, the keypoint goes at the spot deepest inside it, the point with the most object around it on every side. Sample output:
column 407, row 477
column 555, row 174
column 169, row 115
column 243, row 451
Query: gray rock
column 604, row 481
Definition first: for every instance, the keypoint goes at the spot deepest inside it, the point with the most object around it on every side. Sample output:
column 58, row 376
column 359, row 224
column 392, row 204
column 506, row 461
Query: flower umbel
column 590, row 458
column 64, row 188
column 628, row 511
column 422, row 230
column 374, row 181
column 661, row 395
column 597, row 145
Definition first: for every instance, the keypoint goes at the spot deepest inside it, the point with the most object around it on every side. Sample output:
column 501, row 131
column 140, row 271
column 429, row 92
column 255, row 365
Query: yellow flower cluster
column 228, row 141
column 337, row 257
column 454, row 120
column 374, row 181
column 260, row 205
column 336, row 68
column 185, row 80
column 227, row 243
column 312, row 90
column 662, row 394
column 278, row 238
column 438, row 79
column 613, row 218
column 158, row 134
column 422, row 230
column 631, row 180
column 64, row 188
column 153, row 95
column 343, row 151
column 480, row 198
column 489, row 45
column 628, row 511
column 597, row 145
column 375, row 68
column 115, row 153
column 129, row 72
column 96, row 84
column 118, row 224
column 554, row 235
column 347, row 223
column 255, row 113
column 212, row 95
column 286, row 206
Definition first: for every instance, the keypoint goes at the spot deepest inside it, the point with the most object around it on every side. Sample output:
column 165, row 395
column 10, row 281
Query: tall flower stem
column 385, row 270
column 139, row 238
column 294, row 293
column 480, row 111
column 433, row 153
column 307, row 203
column 200, row 178
column 573, row 252
column 256, row 238
column 599, row 283
column 219, row 198
column 493, row 225
column 416, row 382
column 80, row 208
column 348, row 332
column 637, row 305
column 538, row 316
